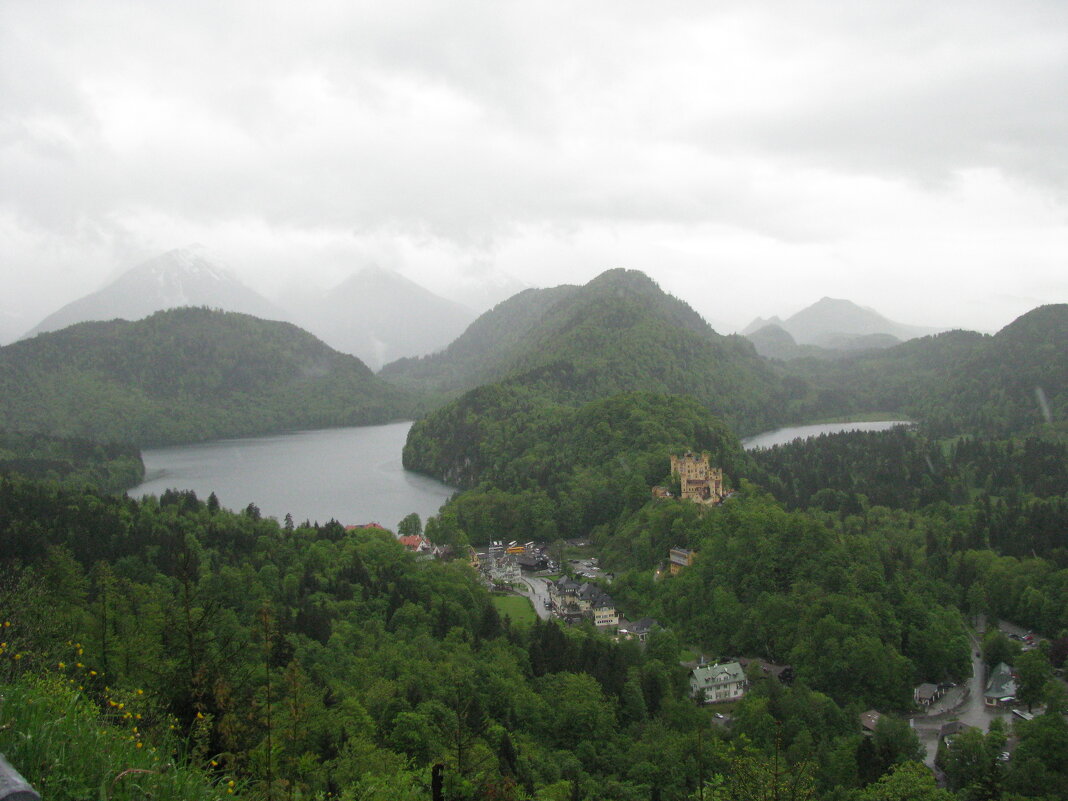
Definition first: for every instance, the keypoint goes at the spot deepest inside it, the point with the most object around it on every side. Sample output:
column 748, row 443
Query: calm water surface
column 352, row 475
column 783, row 435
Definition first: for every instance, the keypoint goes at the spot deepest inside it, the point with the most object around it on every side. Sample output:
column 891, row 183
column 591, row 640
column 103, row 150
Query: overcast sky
column 751, row 157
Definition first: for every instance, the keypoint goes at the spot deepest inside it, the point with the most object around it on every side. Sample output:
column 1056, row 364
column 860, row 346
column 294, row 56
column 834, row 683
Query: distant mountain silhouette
column 379, row 316
column 842, row 325
column 182, row 277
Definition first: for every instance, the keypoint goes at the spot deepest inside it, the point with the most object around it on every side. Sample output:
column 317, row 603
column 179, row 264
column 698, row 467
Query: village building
column 716, row 683
column 574, row 602
column 415, row 543
column 869, row 721
column 927, row 693
column 951, row 729
column 604, row 613
column 531, row 560
column 784, row 673
column 1000, row 687
column 698, row 481
column 639, row 630
column 680, row 558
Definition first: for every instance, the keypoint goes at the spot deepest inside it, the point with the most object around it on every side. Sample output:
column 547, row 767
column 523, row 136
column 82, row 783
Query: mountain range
column 183, row 277
column 374, row 314
column 564, row 345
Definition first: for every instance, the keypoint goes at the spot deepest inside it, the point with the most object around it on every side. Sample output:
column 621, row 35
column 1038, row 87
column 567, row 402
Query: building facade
column 698, row 481
column 710, row 684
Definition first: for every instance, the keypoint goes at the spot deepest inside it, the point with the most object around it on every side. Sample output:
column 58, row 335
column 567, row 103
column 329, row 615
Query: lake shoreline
column 353, row 475
column 787, row 434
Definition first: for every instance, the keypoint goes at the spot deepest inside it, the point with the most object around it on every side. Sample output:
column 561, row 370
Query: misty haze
column 554, row 402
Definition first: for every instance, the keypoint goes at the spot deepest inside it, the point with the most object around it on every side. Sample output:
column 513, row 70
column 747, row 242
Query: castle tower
column 697, row 480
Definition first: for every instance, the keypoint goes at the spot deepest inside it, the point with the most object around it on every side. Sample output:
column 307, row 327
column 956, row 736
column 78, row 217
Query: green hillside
column 618, row 333
column 484, row 350
column 70, row 461
column 544, row 470
column 956, row 382
column 186, row 375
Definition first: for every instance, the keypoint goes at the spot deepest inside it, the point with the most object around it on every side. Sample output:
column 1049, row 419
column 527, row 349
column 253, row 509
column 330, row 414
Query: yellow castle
column 697, row 481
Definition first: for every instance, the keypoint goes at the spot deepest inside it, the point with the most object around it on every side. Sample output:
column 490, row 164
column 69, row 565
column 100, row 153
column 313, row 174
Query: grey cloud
column 465, row 126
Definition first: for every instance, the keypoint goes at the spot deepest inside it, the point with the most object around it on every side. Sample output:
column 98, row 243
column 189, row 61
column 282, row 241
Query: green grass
column 67, row 749
column 516, row 607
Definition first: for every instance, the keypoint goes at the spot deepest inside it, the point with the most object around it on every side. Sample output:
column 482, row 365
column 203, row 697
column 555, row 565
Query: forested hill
column 545, row 470
column 186, row 375
column 69, row 461
column 618, row 333
column 1013, row 382
column 484, row 350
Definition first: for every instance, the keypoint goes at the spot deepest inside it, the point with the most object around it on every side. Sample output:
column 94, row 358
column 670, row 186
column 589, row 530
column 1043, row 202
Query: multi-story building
column 698, row 481
column 680, row 558
column 712, row 683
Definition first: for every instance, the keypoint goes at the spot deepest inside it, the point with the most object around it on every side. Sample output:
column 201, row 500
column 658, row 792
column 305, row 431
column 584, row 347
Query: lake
column 353, row 475
column 781, row 436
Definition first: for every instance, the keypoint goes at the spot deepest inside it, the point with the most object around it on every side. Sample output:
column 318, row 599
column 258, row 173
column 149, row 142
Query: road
column 538, row 593
column 958, row 705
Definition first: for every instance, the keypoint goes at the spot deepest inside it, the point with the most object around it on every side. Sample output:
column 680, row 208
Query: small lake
column 781, row 436
column 353, row 475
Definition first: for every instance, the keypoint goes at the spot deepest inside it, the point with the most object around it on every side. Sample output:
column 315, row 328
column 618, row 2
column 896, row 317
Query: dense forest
column 71, row 461
column 186, row 375
column 206, row 653
column 543, row 470
column 300, row 660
